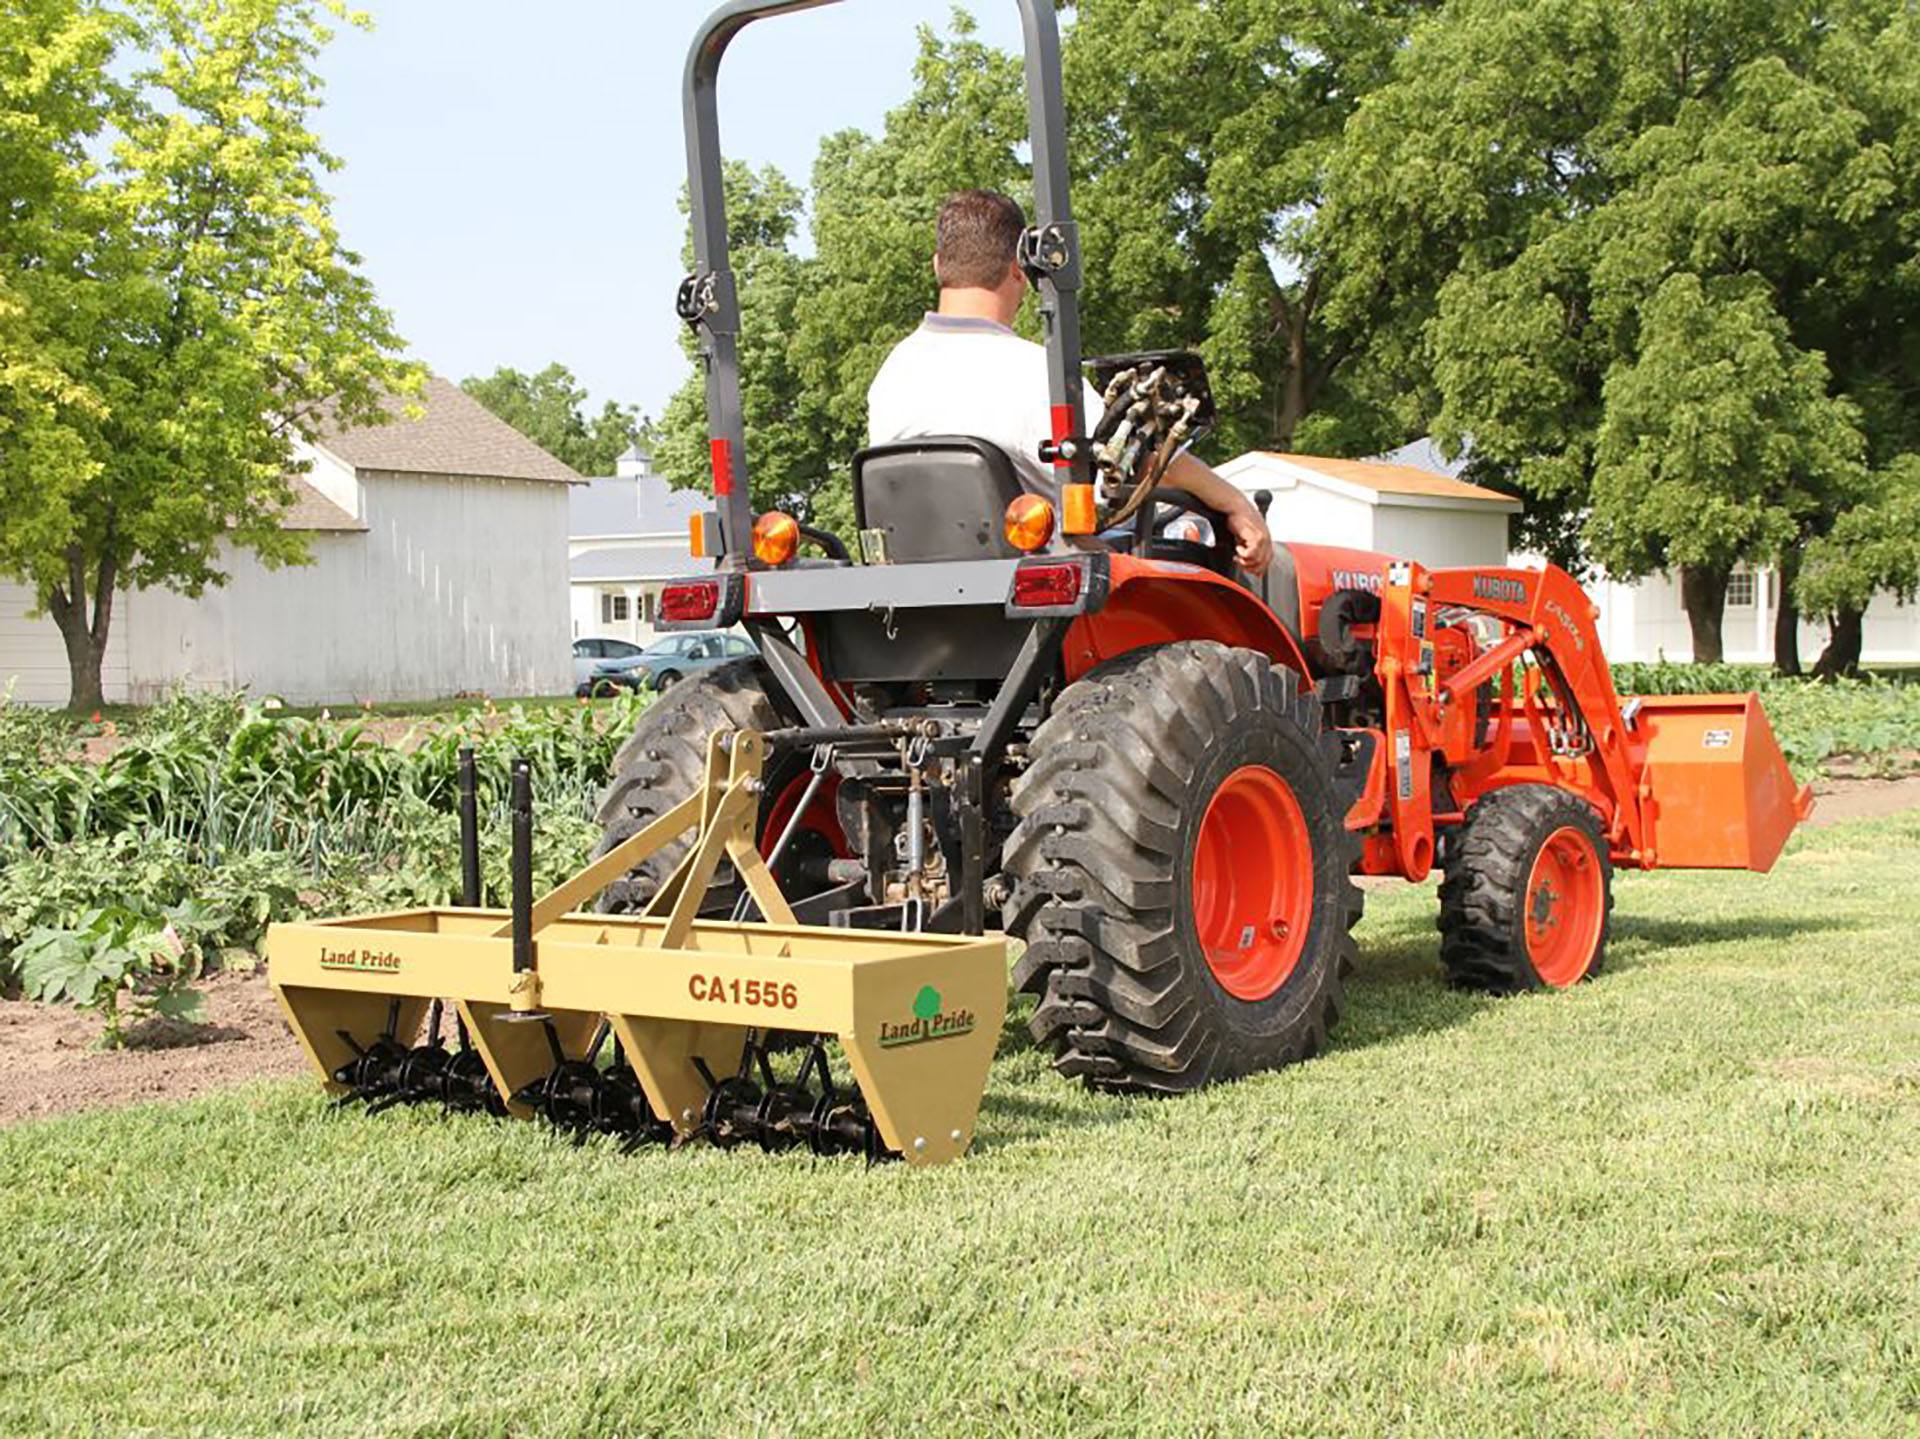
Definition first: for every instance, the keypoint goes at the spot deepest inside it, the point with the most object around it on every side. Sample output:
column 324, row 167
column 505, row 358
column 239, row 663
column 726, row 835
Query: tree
column 1202, row 136
column 549, row 408
column 182, row 302
column 1872, row 547
column 1655, row 262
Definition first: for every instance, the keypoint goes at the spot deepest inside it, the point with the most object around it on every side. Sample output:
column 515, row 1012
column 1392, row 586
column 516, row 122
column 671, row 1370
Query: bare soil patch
column 1844, row 797
column 48, row 1065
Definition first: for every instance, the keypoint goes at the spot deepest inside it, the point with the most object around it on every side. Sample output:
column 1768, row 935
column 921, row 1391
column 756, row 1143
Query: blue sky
column 512, row 169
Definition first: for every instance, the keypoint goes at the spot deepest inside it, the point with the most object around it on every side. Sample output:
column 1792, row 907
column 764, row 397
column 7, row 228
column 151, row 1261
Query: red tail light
column 1047, row 587
column 691, row 602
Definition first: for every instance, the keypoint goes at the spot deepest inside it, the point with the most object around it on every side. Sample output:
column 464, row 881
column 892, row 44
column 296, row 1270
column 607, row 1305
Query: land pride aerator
column 1084, row 728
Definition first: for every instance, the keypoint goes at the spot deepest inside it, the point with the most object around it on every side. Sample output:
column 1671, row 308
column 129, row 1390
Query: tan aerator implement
column 698, row 1010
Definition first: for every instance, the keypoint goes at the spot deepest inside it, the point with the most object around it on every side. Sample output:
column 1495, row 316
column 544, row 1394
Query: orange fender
column 1157, row 602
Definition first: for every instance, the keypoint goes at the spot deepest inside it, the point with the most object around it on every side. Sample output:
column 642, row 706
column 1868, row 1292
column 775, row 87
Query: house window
column 1740, row 590
column 614, row 609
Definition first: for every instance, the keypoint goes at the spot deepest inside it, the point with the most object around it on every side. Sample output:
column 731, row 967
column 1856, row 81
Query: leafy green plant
column 217, row 813
column 116, row 964
column 1668, row 677
column 1873, row 721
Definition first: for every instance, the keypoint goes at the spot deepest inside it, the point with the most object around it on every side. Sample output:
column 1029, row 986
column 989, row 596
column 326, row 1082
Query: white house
column 439, row 563
column 629, row 532
column 1369, row 505
column 1645, row 619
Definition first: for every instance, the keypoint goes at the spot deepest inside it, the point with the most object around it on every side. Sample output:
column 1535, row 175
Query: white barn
column 1398, row 510
column 439, row 568
column 629, row 532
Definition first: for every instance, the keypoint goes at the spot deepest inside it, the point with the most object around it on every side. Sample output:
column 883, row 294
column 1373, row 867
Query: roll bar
column 709, row 300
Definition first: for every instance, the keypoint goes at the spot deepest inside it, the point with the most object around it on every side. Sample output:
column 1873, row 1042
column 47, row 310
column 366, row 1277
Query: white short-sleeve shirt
column 961, row 376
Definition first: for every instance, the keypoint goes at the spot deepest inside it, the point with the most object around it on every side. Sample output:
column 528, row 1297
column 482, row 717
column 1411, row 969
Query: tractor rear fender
column 1157, row 602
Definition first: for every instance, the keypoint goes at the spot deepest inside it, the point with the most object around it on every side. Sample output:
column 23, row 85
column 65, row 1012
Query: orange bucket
column 1722, row 795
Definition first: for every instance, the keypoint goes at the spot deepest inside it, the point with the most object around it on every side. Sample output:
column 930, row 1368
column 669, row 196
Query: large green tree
column 175, row 297
column 1202, row 137
column 551, row 409
column 1654, row 263
column 790, row 446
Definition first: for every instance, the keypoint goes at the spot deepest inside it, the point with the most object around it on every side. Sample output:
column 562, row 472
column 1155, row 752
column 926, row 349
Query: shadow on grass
column 1398, row 993
column 1637, row 936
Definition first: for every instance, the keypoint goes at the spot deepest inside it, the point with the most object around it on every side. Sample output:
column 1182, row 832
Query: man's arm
column 1253, row 545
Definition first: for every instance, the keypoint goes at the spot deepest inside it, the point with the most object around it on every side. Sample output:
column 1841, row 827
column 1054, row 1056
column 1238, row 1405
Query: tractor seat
column 943, row 497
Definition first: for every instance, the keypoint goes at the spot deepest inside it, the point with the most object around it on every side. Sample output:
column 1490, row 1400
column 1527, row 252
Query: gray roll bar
column 709, row 301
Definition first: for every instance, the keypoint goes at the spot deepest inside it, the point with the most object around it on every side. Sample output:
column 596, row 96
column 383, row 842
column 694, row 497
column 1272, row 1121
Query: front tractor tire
column 1527, row 900
column 1182, row 872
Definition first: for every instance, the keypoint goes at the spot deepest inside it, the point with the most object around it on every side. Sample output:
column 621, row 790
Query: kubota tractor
column 1083, row 728
column 1159, row 774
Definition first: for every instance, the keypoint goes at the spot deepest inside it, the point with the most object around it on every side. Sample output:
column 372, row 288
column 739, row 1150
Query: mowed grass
column 1686, row 1196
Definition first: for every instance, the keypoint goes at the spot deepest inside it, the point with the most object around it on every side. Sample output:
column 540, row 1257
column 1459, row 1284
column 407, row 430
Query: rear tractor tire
column 665, row 759
column 1182, row 871
column 1527, row 900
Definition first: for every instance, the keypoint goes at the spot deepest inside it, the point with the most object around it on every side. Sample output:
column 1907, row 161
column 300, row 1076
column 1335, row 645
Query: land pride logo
column 931, row 1020
column 364, row 961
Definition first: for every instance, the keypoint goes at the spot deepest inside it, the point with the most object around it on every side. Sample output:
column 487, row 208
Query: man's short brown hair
column 979, row 234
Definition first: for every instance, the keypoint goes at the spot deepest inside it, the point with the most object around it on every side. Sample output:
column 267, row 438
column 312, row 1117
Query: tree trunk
column 1842, row 654
column 86, row 637
column 1786, row 616
column 1704, row 593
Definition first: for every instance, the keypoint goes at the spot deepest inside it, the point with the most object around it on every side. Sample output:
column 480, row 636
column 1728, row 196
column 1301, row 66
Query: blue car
column 666, row 661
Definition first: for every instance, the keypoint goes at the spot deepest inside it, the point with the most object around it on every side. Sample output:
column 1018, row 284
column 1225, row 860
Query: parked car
column 666, row 660
column 589, row 655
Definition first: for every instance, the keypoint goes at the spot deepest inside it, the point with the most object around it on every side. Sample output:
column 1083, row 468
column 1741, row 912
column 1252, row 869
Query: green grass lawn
column 1686, row 1196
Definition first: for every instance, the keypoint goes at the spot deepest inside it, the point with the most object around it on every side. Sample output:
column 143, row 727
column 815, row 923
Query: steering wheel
column 1149, row 522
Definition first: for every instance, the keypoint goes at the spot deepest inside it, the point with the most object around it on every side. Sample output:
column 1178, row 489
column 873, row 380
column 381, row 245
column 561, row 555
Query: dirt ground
column 1863, row 797
column 47, row 1064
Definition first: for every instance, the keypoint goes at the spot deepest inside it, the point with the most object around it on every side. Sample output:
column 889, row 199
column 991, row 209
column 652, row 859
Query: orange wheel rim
column 822, row 817
column 1253, row 883
column 1565, row 906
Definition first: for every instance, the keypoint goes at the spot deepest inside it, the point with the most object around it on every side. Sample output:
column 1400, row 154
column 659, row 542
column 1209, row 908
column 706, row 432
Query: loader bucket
column 1722, row 795
column 719, row 1029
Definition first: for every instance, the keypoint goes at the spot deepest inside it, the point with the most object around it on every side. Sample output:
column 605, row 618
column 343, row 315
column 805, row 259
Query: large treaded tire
column 1102, row 861
column 665, row 759
column 1483, row 896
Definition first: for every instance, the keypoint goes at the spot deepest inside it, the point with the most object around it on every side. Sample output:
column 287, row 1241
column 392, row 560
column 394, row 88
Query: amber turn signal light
column 1029, row 523
column 775, row 537
column 1081, row 518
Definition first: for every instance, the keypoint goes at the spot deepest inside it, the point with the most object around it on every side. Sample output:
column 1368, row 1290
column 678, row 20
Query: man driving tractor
column 965, row 371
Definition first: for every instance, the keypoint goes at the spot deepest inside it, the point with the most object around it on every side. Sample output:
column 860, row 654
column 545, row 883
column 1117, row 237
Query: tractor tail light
column 690, row 602
column 1029, row 524
column 775, row 538
column 1047, row 587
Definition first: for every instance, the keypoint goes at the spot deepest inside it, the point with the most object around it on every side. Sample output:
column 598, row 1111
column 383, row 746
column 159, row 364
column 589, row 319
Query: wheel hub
column 1565, row 908
column 1253, row 883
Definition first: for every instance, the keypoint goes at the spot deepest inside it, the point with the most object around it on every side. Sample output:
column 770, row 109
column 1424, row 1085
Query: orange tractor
column 1161, row 775
column 1082, row 728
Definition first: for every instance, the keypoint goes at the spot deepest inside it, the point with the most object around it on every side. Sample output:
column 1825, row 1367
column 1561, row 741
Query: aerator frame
column 696, row 1009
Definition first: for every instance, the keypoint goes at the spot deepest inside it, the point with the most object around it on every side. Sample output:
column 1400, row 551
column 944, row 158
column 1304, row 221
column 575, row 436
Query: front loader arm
column 1549, row 622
